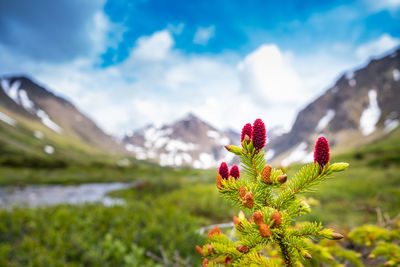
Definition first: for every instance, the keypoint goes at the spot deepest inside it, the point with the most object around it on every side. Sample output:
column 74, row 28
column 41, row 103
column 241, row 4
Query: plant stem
column 285, row 251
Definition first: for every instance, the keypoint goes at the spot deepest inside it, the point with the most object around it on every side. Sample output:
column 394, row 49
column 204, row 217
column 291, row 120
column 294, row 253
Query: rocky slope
column 186, row 142
column 362, row 106
column 24, row 102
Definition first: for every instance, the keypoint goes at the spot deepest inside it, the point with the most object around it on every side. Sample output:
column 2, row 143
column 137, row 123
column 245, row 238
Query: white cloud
column 377, row 5
column 104, row 33
column 269, row 77
column 376, row 47
column 154, row 47
column 203, row 35
column 158, row 83
column 176, row 29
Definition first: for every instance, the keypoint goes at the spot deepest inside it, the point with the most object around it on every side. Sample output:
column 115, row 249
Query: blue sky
column 130, row 63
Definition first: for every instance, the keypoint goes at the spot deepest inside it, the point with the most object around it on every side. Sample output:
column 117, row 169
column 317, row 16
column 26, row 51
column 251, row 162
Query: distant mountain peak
column 21, row 95
column 361, row 106
column 188, row 141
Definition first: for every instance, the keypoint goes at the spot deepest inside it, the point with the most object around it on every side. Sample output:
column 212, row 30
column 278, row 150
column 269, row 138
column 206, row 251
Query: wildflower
column 205, row 263
column 247, row 130
column 321, row 152
column 259, row 136
column 224, row 170
column 235, row 172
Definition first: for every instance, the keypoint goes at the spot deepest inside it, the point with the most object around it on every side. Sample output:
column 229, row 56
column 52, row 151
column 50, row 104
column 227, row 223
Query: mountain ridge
column 361, row 106
column 188, row 141
column 33, row 106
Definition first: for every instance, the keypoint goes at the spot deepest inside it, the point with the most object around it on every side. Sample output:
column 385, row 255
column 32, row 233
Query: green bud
column 234, row 149
column 338, row 167
column 330, row 234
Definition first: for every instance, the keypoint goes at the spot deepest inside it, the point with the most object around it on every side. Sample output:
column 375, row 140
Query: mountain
column 28, row 110
column 362, row 106
column 186, row 142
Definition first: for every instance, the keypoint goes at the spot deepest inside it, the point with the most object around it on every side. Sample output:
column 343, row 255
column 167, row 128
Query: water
column 43, row 195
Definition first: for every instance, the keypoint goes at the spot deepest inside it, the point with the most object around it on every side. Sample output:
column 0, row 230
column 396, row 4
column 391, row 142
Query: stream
column 44, row 195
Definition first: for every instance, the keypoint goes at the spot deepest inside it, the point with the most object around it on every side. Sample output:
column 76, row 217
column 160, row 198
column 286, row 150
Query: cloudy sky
column 130, row 63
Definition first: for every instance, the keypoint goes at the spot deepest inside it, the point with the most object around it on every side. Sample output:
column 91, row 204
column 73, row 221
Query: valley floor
column 163, row 213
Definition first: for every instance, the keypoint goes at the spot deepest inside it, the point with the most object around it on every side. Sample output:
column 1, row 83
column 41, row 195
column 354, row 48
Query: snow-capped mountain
column 186, row 142
column 362, row 106
column 24, row 102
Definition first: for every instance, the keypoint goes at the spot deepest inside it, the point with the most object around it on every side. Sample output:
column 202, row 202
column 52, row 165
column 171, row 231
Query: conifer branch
column 271, row 199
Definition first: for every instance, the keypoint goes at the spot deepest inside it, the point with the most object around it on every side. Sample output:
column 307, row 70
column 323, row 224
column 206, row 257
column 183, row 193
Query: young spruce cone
column 248, row 199
column 258, row 217
column 266, row 174
column 264, row 230
column 277, row 219
column 242, row 249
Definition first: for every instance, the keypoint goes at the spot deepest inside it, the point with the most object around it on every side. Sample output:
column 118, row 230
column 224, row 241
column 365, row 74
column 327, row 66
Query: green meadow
column 164, row 212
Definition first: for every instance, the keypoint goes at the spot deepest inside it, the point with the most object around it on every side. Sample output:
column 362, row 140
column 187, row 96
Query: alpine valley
column 361, row 107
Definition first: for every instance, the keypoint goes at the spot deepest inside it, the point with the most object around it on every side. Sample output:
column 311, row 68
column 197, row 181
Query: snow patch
column 352, row 82
column 20, row 96
column 139, row 151
column 155, row 137
column 7, row 119
column 299, row 154
column 5, row 84
column 175, row 145
column 186, row 157
column 370, row 115
column 49, row 149
column 25, row 101
column 228, row 157
column 325, row 120
column 47, row 121
column 213, row 134
column 38, row 134
column 166, row 159
column 390, row 125
column 350, row 78
column 350, row 75
column 396, row 75
column 160, row 142
column 12, row 91
column 224, row 141
column 205, row 161
column 178, row 160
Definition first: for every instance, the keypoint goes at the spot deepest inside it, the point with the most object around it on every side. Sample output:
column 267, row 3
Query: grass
column 168, row 208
